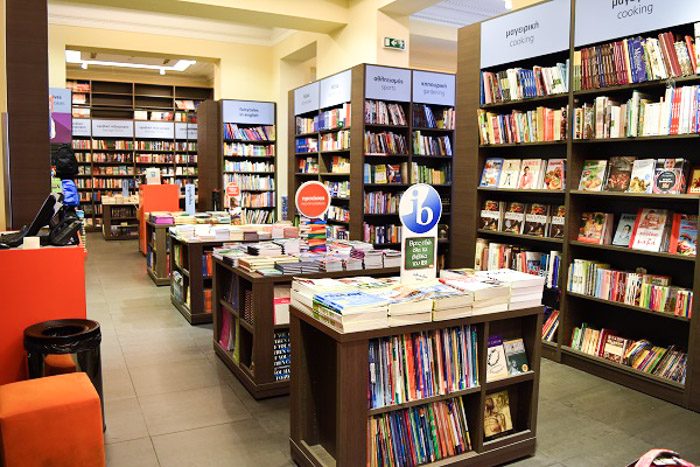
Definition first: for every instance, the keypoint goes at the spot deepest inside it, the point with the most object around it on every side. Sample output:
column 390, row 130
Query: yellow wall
column 523, row 3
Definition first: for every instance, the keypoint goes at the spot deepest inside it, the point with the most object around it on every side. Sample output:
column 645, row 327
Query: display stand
column 330, row 387
column 252, row 362
column 119, row 221
column 158, row 253
column 155, row 198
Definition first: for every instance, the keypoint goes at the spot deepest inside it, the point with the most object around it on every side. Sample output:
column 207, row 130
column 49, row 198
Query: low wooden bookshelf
column 253, row 360
column 330, row 385
column 158, row 253
column 116, row 225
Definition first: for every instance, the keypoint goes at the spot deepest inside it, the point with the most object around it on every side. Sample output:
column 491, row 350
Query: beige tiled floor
column 169, row 401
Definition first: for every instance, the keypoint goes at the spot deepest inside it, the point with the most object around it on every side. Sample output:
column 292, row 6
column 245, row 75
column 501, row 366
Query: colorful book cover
column 623, row 234
column 593, row 175
column 516, row 356
column 684, row 235
column 530, row 174
column 648, row 232
column 694, row 186
column 496, row 364
column 592, row 227
column 509, row 174
column 491, row 215
column 497, row 418
column 614, row 348
column 557, row 225
column 514, row 218
column 555, row 175
column 492, row 173
column 642, row 177
column 536, row 220
column 620, row 173
column 670, row 176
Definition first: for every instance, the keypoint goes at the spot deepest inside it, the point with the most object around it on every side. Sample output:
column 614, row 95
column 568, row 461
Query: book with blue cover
column 350, row 302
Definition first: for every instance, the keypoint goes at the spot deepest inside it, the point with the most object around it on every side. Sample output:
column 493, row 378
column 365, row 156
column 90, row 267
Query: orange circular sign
column 312, row 199
column 232, row 189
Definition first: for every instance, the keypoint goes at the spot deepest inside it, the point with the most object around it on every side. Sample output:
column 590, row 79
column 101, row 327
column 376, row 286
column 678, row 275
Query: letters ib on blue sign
column 420, row 208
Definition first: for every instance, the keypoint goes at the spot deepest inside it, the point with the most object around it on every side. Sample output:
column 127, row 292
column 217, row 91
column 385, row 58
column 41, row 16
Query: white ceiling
column 458, row 13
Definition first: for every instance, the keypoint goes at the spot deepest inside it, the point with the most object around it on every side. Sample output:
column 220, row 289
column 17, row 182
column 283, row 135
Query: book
column 694, row 183
column 555, row 175
column 514, row 217
column 530, row 174
column 615, row 348
column 556, row 228
column 491, row 173
column 670, row 176
column 510, row 174
column 642, row 177
column 620, row 173
column 536, row 220
column 593, row 175
column 650, row 230
column 496, row 364
column 497, row 418
column 623, row 233
column 492, row 215
column 684, row 235
column 595, row 227
column 516, row 356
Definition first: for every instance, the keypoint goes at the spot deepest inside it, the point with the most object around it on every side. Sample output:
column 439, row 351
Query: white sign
column 306, row 98
column 186, row 131
column 530, row 32
column 189, row 199
column 336, row 89
column 125, row 188
column 249, row 112
column 81, row 127
column 420, row 210
column 156, row 130
column 433, row 88
column 391, row 84
column 602, row 20
column 112, row 128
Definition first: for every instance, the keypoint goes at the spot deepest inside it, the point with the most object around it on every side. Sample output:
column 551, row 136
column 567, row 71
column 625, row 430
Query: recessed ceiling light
column 508, row 4
column 162, row 71
column 84, row 65
column 74, row 56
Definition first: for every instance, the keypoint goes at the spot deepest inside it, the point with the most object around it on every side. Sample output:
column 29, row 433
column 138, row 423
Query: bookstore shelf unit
column 628, row 321
column 362, row 92
column 120, row 221
column 238, row 147
column 243, row 305
column 330, row 411
column 120, row 128
column 158, row 253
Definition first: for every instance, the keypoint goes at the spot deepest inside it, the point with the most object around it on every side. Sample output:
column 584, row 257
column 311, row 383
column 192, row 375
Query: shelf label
column 420, row 210
column 433, row 88
column 189, row 199
column 81, row 127
column 249, row 112
column 186, row 131
column 312, row 199
column 156, row 130
column 602, row 20
column 306, row 98
column 385, row 83
column 539, row 30
column 60, row 127
column 112, row 128
column 335, row 89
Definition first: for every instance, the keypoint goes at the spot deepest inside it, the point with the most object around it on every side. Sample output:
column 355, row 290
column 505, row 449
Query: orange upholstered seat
column 54, row 421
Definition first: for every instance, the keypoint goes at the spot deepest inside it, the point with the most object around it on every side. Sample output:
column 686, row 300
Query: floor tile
column 136, row 453
column 124, row 420
column 175, row 376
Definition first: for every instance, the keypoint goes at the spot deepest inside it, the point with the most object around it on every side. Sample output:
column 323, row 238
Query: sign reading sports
column 312, row 199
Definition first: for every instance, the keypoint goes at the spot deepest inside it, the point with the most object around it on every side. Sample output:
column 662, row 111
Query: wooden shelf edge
column 424, row 401
column 592, row 298
column 510, row 381
column 524, row 237
column 631, row 251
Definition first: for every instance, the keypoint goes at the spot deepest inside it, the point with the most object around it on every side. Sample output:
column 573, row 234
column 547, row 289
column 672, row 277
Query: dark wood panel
column 210, row 152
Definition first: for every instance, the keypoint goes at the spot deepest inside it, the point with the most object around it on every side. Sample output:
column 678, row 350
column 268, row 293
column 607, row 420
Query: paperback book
column 497, row 417
column 623, row 233
column 514, row 218
column 593, row 175
column 536, row 220
column 642, row 177
column 492, row 215
column 492, row 173
column 555, row 175
column 650, row 230
column 670, row 176
column 510, row 173
column 530, row 174
column 595, row 227
column 620, row 173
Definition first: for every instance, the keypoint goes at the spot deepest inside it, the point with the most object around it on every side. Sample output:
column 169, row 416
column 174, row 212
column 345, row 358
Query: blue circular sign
column 420, row 208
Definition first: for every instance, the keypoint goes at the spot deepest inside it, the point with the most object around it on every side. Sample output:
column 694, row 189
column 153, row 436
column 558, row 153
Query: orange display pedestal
column 155, row 198
column 37, row 285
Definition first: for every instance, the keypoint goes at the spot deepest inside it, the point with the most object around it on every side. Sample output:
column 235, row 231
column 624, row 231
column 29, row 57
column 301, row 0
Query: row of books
column 123, row 211
column 340, row 165
column 651, row 291
column 253, row 133
column 433, row 175
column 308, row 166
column 172, row 171
column 642, row 355
column 81, row 144
column 505, row 358
column 281, row 355
column 337, row 232
column 381, row 234
column 338, row 189
column 107, row 170
column 112, row 144
column 155, row 145
column 154, row 158
column 185, row 158
column 337, row 141
column 304, row 145
column 526, row 174
column 431, row 145
column 185, row 145
column 249, row 150
column 382, row 202
column 385, row 142
column 258, row 200
column 111, row 183
column 104, row 157
column 416, row 366
column 536, row 219
column 386, row 173
column 207, row 264
column 257, row 216
column 642, row 115
column 656, row 230
column 516, row 84
column 551, row 324
column 248, row 166
column 252, row 182
column 631, row 175
column 326, row 120
column 540, row 125
column 492, row 256
column 337, row 213
column 384, row 113
column 636, row 60
column 424, row 117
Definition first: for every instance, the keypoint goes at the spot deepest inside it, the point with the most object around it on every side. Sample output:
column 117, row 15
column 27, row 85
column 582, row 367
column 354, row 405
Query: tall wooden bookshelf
column 364, row 87
column 249, row 161
column 168, row 112
column 629, row 321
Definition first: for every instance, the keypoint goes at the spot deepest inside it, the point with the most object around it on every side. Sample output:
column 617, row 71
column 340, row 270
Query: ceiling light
column 84, row 65
column 162, row 71
column 508, row 4
column 74, row 56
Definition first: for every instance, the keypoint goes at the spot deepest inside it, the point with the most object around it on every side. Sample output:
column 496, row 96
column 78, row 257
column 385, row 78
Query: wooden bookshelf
column 120, row 221
column 158, row 253
column 629, row 321
column 252, row 360
column 330, row 384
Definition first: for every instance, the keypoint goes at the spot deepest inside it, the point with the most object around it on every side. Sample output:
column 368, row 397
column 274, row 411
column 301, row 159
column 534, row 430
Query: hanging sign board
column 306, row 98
column 389, row 84
column 112, row 128
column 433, row 88
column 530, row 32
column 81, row 127
column 602, row 20
column 420, row 210
column 60, row 127
column 154, row 130
column 249, row 112
column 336, row 89
column 186, row 131
column 189, row 199
column 312, row 199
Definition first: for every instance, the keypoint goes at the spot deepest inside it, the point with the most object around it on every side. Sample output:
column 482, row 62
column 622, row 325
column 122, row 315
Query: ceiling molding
column 459, row 13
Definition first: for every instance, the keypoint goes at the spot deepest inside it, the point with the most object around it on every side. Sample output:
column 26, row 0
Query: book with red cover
column 649, row 233
column 684, row 234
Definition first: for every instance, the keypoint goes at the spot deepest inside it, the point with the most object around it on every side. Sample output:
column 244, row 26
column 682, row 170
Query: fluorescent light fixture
column 73, row 56
column 508, row 4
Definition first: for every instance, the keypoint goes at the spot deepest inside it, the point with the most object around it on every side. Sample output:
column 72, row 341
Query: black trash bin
column 79, row 337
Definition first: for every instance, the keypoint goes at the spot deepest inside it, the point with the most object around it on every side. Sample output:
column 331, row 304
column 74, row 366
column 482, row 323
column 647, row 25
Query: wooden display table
column 330, row 385
column 165, row 197
column 119, row 221
column 254, row 365
column 158, row 253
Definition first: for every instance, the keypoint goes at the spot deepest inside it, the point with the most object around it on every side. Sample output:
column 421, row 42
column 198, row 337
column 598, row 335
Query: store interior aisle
column 170, row 402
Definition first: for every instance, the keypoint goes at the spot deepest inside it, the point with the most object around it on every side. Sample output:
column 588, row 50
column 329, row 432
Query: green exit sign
column 392, row 43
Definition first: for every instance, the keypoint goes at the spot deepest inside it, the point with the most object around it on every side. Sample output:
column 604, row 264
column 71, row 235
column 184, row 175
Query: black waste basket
column 81, row 337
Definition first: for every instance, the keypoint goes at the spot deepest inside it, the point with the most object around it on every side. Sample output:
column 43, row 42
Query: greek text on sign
column 420, row 210
column 433, row 88
column 249, row 112
column 155, row 130
column 81, row 127
column 306, row 98
column 602, row 20
column 312, row 199
column 186, row 131
column 391, row 84
column 336, row 89
column 112, row 128
column 538, row 30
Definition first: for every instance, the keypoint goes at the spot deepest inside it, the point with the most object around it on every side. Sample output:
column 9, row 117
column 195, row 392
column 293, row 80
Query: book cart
column 247, row 299
column 158, row 253
column 120, row 221
column 590, row 18
column 330, row 385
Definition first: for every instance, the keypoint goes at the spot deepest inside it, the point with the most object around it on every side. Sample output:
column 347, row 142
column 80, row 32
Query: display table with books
column 158, row 252
column 456, row 386
column 119, row 220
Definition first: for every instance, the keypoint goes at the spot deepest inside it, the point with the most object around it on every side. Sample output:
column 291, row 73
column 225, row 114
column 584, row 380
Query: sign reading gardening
column 433, row 88
column 420, row 210
column 249, row 112
column 389, row 84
